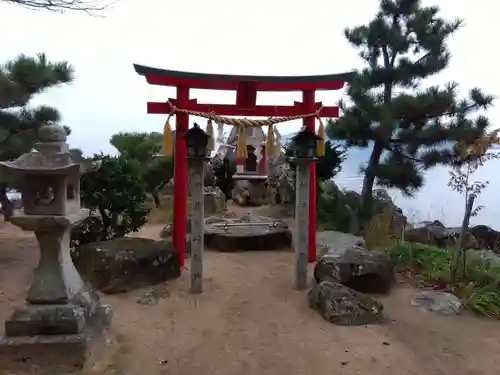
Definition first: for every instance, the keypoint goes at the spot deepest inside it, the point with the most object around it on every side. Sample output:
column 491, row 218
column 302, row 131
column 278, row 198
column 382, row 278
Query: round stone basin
column 247, row 237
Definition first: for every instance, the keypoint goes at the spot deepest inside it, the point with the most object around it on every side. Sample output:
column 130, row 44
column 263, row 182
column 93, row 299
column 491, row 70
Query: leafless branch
column 87, row 6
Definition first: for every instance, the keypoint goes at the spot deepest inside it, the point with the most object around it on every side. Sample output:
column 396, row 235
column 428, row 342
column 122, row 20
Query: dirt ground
column 249, row 320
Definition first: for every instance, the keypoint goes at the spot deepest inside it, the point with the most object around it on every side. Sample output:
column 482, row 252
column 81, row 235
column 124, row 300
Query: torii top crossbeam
column 246, row 87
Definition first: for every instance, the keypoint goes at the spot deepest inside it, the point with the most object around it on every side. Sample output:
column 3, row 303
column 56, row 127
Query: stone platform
column 247, row 234
column 62, row 353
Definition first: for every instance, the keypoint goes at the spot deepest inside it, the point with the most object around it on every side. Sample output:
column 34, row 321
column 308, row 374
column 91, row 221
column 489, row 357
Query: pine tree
column 409, row 128
column 20, row 80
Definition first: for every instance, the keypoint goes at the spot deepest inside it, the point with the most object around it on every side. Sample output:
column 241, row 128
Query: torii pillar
column 308, row 102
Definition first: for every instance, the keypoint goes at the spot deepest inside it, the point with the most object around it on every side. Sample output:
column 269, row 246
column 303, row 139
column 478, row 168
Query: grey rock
column 433, row 233
column 152, row 295
column 342, row 305
column 125, row 264
column 364, row 271
column 214, row 200
column 333, row 239
column 486, row 237
column 440, row 302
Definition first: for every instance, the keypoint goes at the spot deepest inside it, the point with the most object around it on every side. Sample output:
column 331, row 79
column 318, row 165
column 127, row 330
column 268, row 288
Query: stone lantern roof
column 50, row 156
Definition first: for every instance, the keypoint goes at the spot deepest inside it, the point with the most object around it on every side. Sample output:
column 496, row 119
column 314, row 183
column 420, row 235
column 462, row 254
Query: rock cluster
column 435, row 233
column 343, row 274
column 346, row 275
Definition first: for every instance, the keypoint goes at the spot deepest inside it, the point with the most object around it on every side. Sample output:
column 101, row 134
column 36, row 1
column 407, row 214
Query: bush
column 478, row 287
column 433, row 264
column 485, row 301
column 116, row 196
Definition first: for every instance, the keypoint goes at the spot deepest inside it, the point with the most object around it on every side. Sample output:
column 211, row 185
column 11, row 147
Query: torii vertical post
column 308, row 102
column 180, row 177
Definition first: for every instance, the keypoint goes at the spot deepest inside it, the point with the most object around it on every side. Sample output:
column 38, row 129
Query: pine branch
column 26, row 76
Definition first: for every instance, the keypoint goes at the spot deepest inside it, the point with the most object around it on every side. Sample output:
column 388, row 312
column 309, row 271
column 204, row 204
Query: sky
column 258, row 37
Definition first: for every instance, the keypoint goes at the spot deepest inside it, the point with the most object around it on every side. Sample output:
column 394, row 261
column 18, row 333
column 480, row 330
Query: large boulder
column 247, row 233
column 345, row 204
column 435, row 234
column 364, row 271
column 342, row 305
column 247, row 192
column 124, row 264
column 214, row 200
column 329, row 190
column 328, row 239
column 386, row 204
column 486, row 237
column 284, row 178
column 241, row 193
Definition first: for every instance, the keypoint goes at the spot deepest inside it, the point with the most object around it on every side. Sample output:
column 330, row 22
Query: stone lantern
column 59, row 308
column 304, row 152
column 196, row 143
column 304, row 145
column 197, row 151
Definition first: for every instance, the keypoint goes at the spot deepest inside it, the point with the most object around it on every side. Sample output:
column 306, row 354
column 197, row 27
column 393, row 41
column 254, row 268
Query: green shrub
column 482, row 271
column 485, row 301
column 479, row 286
column 116, row 196
column 430, row 262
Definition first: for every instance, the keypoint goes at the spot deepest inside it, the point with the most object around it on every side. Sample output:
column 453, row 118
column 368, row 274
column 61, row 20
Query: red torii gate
column 246, row 88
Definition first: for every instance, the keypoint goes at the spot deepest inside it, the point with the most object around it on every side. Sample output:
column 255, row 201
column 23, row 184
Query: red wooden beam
column 246, row 95
column 212, row 84
column 231, row 110
column 176, row 78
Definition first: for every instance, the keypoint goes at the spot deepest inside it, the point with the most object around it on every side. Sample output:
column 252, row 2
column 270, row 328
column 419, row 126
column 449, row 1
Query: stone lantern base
column 62, row 317
column 63, row 337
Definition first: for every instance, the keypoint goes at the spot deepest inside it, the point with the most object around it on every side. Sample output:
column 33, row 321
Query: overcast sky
column 221, row 36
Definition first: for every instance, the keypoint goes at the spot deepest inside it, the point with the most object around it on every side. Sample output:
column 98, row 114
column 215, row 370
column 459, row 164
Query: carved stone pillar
column 301, row 223
column 196, row 187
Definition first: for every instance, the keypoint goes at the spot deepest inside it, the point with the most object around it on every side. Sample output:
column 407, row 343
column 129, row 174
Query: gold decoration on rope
column 210, row 133
column 270, row 143
column 272, row 146
column 168, row 135
column 241, row 144
column 320, row 143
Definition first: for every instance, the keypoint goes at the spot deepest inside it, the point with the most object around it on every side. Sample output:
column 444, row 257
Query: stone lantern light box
column 196, row 142
column 49, row 176
column 304, row 144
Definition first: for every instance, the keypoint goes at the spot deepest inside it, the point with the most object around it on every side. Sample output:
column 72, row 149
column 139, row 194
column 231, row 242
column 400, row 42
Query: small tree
column 469, row 158
column 142, row 147
column 116, row 192
column 408, row 131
